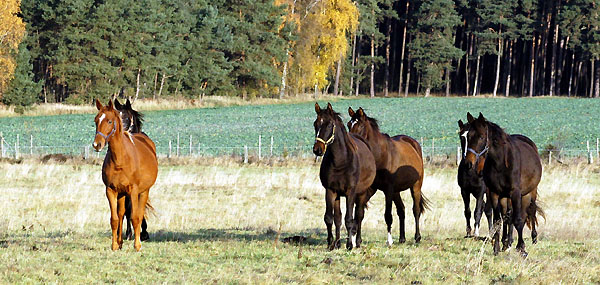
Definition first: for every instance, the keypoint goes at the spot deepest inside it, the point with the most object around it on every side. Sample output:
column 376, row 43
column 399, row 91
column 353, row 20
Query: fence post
column 590, row 157
column 2, row 144
column 86, row 152
column 245, row 154
column 177, row 147
column 17, row 148
column 458, row 155
column 31, row 145
column 190, row 145
column 259, row 146
column 598, row 148
column 271, row 145
column 432, row 149
column 550, row 157
column 169, row 148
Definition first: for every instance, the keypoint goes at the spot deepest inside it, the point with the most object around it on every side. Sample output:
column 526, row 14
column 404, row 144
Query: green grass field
column 562, row 122
column 224, row 222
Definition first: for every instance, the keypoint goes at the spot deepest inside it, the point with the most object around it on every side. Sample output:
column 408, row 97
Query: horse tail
column 150, row 211
column 425, row 204
column 532, row 212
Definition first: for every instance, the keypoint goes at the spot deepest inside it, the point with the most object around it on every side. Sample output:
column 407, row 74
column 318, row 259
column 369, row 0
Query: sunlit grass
column 224, row 222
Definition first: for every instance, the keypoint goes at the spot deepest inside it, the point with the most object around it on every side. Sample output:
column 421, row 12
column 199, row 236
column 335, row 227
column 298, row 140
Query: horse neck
column 340, row 148
column 116, row 144
column 376, row 141
column 496, row 153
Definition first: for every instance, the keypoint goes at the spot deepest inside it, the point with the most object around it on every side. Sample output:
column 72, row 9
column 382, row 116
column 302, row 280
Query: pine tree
column 22, row 91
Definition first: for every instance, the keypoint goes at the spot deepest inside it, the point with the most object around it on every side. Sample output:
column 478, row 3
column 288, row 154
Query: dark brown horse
column 129, row 170
column 471, row 183
column 399, row 161
column 132, row 123
column 347, row 170
column 512, row 169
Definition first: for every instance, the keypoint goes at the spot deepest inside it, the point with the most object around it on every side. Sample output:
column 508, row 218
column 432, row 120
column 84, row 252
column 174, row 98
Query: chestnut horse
column 512, row 169
column 347, row 169
column 471, row 183
column 132, row 123
column 399, row 161
column 129, row 170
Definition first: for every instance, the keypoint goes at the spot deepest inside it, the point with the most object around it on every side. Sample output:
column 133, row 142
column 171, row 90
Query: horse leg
column 144, row 235
column 488, row 211
column 337, row 219
column 506, row 225
column 401, row 216
column 328, row 218
column 389, row 219
column 138, row 205
column 128, row 233
column 120, row 214
column 349, row 220
column 415, row 192
column 495, row 233
column 531, row 212
column 517, row 219
column 479, row 210
column 361, row 201
column 466, row 200
column 111, row 195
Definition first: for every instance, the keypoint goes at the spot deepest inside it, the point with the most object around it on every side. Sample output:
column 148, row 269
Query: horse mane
column 138, row 118
column 338, row 120
column 496, row 132
column 374, row 124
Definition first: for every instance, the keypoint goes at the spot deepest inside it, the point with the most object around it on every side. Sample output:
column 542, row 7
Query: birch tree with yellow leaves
column 12, row 30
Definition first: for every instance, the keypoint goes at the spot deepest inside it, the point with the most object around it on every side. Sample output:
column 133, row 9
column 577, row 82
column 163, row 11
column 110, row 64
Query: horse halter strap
column 329, row 141
column 484, row 150
column 109, row 134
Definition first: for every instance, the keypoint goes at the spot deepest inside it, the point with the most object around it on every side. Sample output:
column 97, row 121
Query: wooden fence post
column 177, row 147
column 31, row 145
column 190, row 154
column 245, row 154
column 17, row 148
column 271, row 145
column 169, row 149
column 2, row 144
column 550, row 157
column 259, row 147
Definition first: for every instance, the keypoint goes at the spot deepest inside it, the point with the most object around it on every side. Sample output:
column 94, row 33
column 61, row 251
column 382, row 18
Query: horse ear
column 361, row 112
column 460, row 124
column 98, row 104
column 128, row 103
column 470, row 118
column 111, row 104
column 350, row 112
column 118, row 104
column 317, row 108
column 481, row 117
column 329, row 107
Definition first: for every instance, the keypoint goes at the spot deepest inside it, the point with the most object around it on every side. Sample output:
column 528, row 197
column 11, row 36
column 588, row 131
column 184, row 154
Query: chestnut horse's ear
column 98, row 104
column 329, row 108
column 317, row 108
column 470, row 118
column 361, row 112
column 481, row 117
column 460, row 124
column 350, row 112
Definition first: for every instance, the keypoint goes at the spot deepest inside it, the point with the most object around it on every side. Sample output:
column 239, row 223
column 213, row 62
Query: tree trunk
column 498, row 57
column 353, row 60
column 571, row 73
column 386, row 76
column 427, row 91
column 469, row 51
column 155, row 82
column 508, row 70
column 591, row 78
column 418, row 83
column 532, row 70
column 337, row 76
column 137, row 85
column 287, row 59
column 596, row 80
column 372, row 89
column 402, row 53
column 553, row 60
column 577, row 76
column 162, row 83
column 561, row 63
column 448, row 81
column 407, row 84
column 475, row 86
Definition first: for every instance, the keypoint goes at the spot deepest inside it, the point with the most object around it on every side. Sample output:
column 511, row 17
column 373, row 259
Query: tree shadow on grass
column 306, row 237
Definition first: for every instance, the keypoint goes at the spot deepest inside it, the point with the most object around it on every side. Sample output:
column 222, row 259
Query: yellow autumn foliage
column 12, row 30
column 323, row 28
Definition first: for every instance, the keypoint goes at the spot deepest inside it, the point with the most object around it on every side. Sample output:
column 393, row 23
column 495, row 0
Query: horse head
column 108, row 124
column 475, row 141
column 324, row 128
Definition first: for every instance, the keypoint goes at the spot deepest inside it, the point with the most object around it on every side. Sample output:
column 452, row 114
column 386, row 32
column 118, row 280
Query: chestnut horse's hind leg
column 138, row 205
column 120, row 213
column 401, row 216
column 415, row 192
column 111, row 195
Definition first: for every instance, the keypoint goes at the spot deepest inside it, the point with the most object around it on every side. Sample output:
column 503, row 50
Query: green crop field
column 562, row 122
column 226, row 223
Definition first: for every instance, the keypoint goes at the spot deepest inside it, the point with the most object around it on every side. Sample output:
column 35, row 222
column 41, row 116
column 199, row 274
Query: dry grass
column 223, row 222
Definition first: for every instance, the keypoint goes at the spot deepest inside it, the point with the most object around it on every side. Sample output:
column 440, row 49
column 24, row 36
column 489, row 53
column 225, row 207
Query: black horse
column 512, row 169
column 471, row 183
column 132, row 123
column 347, row 169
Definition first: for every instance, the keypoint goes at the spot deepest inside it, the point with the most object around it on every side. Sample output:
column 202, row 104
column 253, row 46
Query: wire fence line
column 262, row 148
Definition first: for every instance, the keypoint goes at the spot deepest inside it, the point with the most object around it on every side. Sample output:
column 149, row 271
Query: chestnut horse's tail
column 425, row 203
column 532, row 212
column 149, row 210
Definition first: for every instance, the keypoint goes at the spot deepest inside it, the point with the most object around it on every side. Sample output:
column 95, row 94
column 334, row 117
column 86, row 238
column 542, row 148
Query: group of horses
column 356, row 163
column 504, row 168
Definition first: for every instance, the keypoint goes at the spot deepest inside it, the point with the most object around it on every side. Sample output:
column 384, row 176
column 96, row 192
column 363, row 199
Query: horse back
column 531, row 165
column 366, row 160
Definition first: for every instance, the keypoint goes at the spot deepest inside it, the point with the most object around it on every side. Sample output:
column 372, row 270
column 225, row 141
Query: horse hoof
column 468, row 236
column 402, row 240
column 144, row 236
column 417, row 239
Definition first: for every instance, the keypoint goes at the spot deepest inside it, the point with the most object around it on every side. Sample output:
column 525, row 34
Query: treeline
column 77, row 50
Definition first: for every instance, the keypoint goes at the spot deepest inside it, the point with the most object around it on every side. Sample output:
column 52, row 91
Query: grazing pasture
column 562, row 122
column 223, row 222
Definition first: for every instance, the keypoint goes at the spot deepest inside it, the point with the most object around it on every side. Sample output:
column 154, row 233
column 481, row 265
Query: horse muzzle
column 98, row 144
column 318, row 149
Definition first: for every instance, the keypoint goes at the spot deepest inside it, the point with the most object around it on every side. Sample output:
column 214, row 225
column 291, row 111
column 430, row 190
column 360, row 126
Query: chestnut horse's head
column 324, row 128
column 108, row 122
column 359, row 122
column 475, row 141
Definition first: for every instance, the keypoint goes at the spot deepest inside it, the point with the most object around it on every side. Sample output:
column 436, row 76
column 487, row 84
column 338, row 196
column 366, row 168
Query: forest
column 75, row 50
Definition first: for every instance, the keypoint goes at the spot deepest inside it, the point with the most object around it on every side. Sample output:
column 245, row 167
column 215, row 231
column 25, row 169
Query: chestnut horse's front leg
column 120, row 214
column 111, row 195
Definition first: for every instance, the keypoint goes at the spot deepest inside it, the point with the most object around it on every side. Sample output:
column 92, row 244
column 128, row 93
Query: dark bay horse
column 512, row 170
column 347, row 170
column 129, row 170
column 132, row 123
column 399, row 162
column 471, row 183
